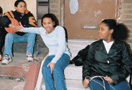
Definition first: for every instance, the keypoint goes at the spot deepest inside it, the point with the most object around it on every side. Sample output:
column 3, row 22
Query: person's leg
column 30, row 46
column 8, row 48
column 49, row 83
column 10, row 39
column 121, row 86
column 97, row 84
column 8, row 44
column 30, row 41
column 2, row 41
column 58, row 72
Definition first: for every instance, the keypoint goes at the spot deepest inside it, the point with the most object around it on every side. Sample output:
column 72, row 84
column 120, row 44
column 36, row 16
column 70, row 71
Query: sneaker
column 29, row 57
column 6, row 60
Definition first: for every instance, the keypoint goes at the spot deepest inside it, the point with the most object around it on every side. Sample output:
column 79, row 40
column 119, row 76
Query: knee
column 9, row 36
column 45, row 69
column 57, row 70
column 32, row 35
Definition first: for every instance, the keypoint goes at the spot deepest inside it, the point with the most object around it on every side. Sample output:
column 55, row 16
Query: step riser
column 16, row 72
column 72, row 85
column 73, row 72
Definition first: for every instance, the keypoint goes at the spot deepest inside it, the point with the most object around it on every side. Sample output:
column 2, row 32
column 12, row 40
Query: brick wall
column 55, row 8
column 126, row 16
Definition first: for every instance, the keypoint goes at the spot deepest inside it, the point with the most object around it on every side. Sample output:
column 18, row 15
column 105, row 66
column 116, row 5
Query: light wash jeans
column 121, row 86
column 14, row 38
column 55, row 82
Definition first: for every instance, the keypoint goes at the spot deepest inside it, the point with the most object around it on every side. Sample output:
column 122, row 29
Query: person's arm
column 88, row 62
column 86, row 69
column 37, row 30
column 31, row 20
column 126, row 68
column 62, row 44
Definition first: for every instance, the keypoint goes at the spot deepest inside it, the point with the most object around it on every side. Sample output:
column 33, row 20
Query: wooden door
column 81, row 21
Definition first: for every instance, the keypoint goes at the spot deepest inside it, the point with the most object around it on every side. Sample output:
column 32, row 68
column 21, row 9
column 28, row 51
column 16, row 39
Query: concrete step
column 76, row 45
column 73, row 72
column 18, row 68
column 75, row 85
column 7, row 84
column 72, row 85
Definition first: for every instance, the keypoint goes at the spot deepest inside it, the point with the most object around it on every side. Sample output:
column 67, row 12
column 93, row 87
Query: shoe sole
column 6, row 63
column 30, row 60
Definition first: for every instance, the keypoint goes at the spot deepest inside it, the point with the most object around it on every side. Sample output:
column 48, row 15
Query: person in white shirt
column 109, row 59
column 58, row 58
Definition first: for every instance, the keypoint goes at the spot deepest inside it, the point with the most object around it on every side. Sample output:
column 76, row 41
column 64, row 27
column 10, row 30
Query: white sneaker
column 6, row 60
column 29, row 57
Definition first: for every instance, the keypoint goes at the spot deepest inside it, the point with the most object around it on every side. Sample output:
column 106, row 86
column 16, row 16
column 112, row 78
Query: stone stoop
column 18, row 68
column 19, row 73
column 72, row 73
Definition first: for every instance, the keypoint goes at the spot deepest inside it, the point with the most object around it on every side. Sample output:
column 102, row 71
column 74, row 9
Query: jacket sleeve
column 62, row 44
column 88, row 62
column 5, row 21
column 126, row 65
column 31, row 20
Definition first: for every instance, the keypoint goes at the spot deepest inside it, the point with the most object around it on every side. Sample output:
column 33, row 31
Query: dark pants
column 2, row 38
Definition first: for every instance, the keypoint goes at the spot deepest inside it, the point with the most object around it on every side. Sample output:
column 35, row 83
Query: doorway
column 82, row 17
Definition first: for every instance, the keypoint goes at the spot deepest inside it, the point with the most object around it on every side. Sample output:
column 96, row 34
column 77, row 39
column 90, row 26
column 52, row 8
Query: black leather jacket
column 117, row 64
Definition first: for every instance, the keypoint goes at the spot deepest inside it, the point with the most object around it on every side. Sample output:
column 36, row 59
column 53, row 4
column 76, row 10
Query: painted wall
column 9, row 5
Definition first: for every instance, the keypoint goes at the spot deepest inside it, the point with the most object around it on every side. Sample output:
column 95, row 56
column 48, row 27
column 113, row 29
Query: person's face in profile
column 104, row 32
column 21, row 7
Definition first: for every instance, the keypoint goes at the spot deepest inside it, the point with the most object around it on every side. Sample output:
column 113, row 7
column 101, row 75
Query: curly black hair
column 121, row 32
column 18, row 1
column 52, row 16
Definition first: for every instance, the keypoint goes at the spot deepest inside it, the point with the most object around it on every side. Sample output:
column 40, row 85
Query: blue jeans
column 14, row 38
column 121, row 86
column 57, row 73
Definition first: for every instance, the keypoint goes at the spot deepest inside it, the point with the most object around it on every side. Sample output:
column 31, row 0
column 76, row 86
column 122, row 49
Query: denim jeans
column 57, row 77
column 121, row 86
column 14, row 38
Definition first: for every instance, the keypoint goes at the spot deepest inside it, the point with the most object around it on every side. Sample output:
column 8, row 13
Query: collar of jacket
column 19, row 14
column 100, row 46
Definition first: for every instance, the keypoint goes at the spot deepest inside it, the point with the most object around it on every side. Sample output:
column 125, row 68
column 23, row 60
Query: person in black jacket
column 2, row 35
column 22, row 15
column 109, row 60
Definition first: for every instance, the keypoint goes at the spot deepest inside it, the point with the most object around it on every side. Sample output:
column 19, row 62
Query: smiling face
column 105, row 33
column 21, row 7
column 48, row 24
